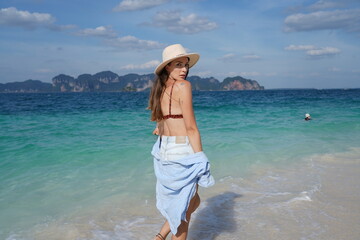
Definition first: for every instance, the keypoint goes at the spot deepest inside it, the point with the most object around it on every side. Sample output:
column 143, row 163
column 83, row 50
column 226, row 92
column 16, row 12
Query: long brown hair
column 155, row 95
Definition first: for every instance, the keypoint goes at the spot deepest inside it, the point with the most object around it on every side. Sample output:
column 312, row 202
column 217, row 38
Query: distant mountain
column 240, row 83
column 26, row 86
column 209, row 84
column 108, row 81
column 102, row 82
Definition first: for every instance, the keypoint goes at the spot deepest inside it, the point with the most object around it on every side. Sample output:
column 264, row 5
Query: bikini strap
column 171, row 97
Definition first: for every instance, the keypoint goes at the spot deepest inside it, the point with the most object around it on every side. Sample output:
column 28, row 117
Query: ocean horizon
column 78, row 165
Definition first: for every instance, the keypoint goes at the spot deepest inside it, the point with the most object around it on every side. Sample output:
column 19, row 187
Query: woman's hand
column 156, row 131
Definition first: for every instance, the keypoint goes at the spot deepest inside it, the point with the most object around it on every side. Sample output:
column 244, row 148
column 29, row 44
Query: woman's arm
column 189, row 116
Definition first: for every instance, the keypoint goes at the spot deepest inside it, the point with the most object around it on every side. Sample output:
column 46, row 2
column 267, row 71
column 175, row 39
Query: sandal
column 160, row 236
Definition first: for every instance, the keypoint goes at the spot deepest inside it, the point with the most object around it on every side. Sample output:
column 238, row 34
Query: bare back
column 181, row 121
column 172, row 126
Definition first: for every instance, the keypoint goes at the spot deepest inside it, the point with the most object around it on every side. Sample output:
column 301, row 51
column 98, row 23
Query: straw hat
column 173, row 52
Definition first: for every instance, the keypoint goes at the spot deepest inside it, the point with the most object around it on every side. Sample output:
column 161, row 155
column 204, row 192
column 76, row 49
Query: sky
column 280, row 44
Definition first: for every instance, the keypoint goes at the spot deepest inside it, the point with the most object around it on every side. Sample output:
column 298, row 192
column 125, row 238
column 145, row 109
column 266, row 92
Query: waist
column 174, row 139
column 174, row 148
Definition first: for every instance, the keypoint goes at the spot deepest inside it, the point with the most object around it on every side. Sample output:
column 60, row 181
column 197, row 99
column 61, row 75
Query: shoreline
column 316, row 198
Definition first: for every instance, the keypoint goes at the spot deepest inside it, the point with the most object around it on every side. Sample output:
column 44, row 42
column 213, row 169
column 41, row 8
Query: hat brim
column 193, row 58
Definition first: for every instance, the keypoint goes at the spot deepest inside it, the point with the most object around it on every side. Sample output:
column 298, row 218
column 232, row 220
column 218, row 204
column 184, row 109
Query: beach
column 315, row 199
column 78, row 166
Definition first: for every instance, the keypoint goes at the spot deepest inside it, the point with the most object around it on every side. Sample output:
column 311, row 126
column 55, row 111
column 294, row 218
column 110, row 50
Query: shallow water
column 80, row 162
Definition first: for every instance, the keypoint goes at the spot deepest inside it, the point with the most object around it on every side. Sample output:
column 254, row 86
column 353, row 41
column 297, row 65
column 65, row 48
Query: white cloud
column 232, row 74
column 251, row 57
column 13, row 17
column 228, row 57
column 30, row 21
column 319, row 5
column 300, row 47
column 339, row 19
column 147, row 65
column 249, row 74
column 326, row 51
column 234, row 57
column 202, row 74
column 61, row 27
column 100, row 31
column 133, row 5
column 131, row 42
column 334, row 69
column 313, row 51
column 174, row 22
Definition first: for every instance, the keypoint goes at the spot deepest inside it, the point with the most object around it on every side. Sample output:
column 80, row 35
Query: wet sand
column 315, row 198
column 318, row 198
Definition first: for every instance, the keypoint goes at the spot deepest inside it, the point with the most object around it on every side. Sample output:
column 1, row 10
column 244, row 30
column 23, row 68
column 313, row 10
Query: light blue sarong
column 176, row 183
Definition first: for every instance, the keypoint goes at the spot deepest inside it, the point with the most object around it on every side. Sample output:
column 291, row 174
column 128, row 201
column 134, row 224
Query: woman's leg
column 164, row 231
column 184, row 226
column 194, row 204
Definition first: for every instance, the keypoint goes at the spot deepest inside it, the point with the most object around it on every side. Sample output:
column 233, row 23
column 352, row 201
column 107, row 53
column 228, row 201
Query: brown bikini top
column 172, row 115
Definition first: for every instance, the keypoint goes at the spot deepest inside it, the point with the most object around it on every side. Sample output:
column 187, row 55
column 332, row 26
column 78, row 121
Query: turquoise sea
column 78, row 165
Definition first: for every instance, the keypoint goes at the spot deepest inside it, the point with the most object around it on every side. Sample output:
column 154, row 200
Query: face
column 178, row 68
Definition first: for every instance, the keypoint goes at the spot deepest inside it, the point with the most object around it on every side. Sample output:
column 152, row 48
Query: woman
column 179, row 162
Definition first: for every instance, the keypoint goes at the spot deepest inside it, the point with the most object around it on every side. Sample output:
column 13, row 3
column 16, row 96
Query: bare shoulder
column 183, row 85
column 183, row 89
